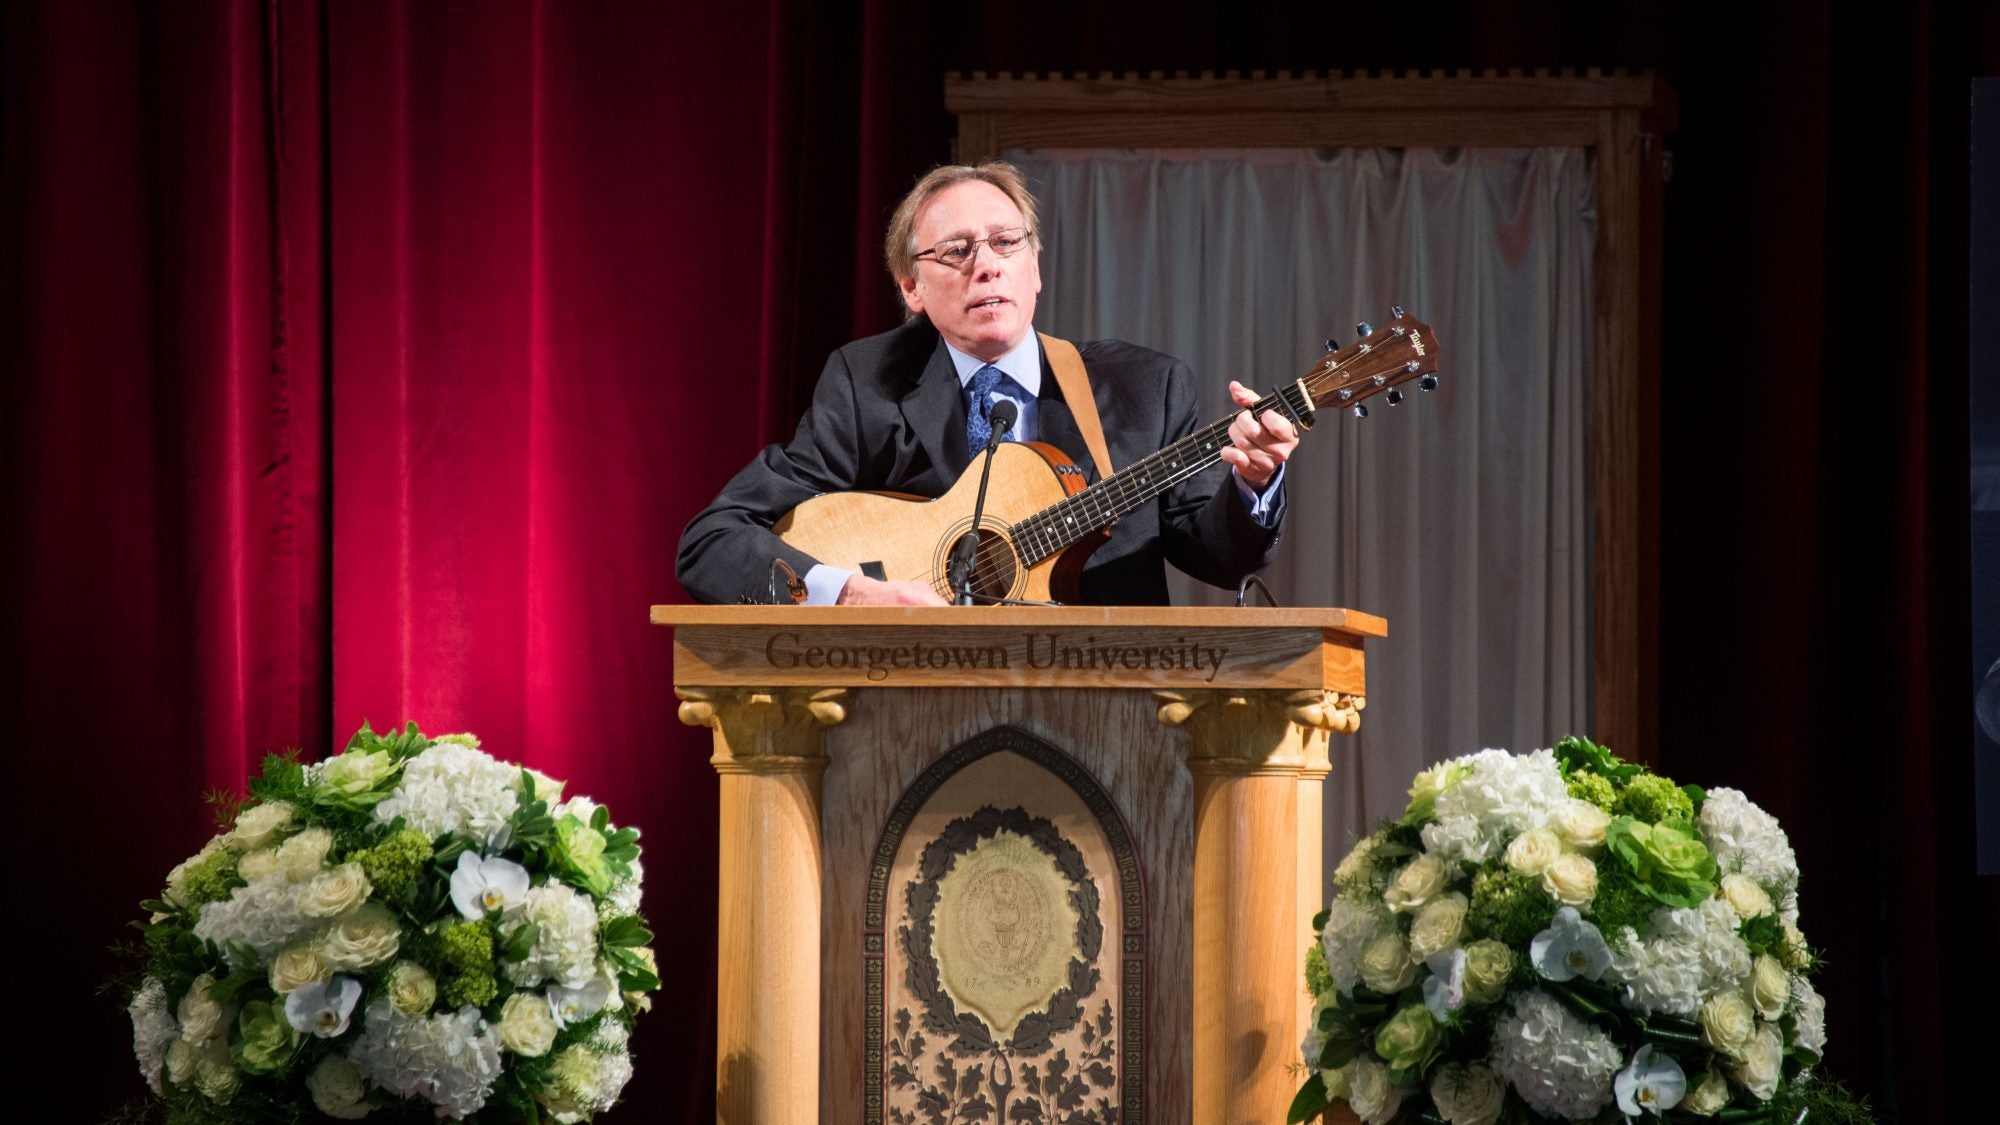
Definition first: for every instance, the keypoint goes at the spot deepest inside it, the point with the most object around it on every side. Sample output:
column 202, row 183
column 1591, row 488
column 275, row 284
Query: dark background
column 364, row 360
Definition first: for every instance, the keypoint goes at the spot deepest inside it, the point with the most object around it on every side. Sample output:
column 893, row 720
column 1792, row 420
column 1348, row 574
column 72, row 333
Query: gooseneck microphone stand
column 965, row 554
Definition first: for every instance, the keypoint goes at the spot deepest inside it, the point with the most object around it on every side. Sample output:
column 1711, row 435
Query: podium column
column 1253, row 756
column 770, row 753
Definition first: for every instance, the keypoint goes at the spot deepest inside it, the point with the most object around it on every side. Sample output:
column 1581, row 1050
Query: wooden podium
column 1038, row 860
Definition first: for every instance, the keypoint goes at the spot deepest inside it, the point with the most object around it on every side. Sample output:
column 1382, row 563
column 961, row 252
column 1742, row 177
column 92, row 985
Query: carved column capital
column 765, row 730
column 1259, row 732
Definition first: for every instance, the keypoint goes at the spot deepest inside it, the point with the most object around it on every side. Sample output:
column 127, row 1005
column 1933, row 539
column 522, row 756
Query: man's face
column 987, row 305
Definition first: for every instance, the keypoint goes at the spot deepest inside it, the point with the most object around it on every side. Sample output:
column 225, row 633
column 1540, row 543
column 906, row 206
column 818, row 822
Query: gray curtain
column 1463, row 516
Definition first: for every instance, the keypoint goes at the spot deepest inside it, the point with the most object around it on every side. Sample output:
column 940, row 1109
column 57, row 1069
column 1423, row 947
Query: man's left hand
column 1260, row 443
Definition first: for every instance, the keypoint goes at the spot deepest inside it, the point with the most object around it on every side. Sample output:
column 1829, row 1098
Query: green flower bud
column 1409, row 1040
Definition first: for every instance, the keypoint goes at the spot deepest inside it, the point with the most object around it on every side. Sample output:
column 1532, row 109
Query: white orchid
column 323, row 1008
column 1570, row 948
column 1653, row 1083
column 480, row 885
column 1444, row 989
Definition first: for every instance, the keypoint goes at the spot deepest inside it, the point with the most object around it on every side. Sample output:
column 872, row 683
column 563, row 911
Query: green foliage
column 1620, row 902
column 1821, row 1101
column 1668, row 861
column 1310, row 1101
column 1576, row 754
column 283, row 779
column 1509, row 907
column 1652, row 798
column 403, row 745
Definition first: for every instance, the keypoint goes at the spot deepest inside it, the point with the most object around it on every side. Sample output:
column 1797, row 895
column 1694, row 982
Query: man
column 902, row 412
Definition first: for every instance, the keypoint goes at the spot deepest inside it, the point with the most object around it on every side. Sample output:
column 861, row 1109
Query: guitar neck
column 1067, row 521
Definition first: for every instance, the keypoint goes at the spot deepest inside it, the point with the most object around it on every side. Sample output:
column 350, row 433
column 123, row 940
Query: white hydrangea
column 449, row 1060
column 565, row 949
column 1684, row 957
column 153, row 1027
column 263, row 914
column 1808, row 1015
column 1561, row 1066
column 624, row 896
column 1349, row 928
column 1500, row 797
column 1745, row 838
column 452, row 787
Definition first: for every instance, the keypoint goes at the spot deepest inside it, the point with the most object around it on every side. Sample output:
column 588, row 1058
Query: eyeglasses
column 958, row 251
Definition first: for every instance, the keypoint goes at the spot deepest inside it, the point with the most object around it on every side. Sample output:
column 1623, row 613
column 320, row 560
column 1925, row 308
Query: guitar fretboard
column 1065, row 522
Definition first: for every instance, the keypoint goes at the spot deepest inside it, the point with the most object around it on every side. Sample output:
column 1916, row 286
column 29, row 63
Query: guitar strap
column 1067, row 363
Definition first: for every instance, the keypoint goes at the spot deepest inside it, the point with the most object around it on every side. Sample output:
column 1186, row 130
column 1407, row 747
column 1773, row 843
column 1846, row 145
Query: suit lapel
column 935, row 413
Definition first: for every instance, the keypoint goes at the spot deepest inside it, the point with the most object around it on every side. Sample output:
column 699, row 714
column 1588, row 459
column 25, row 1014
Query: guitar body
column 906, row 538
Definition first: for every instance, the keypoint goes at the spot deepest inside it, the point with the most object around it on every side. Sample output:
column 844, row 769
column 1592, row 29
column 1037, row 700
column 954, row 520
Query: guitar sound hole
column 993, row 575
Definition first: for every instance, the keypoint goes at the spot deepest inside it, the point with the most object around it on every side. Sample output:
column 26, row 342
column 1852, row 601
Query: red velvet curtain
column 363, row 360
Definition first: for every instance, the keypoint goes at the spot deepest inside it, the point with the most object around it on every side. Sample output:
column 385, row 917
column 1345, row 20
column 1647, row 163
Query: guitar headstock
column 1377, row 363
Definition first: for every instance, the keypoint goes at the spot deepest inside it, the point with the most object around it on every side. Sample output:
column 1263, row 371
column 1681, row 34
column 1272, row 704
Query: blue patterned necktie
column 979, row 408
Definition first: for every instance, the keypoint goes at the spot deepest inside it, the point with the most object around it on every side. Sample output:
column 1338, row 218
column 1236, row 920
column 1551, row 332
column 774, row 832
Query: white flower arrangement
column 1565, row 936
column 406, row 929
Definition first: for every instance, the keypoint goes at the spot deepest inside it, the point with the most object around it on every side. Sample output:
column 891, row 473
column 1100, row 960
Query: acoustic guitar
column 1042, row 519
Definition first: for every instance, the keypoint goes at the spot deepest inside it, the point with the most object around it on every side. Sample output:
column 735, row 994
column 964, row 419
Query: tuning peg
column 1428, row 383
column 1360, row 410
column 1364, row 329
column 1332, row 344
column 1395, row 312
column 1395, row 396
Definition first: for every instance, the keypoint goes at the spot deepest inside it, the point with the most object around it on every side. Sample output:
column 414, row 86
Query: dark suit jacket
column 889, row 415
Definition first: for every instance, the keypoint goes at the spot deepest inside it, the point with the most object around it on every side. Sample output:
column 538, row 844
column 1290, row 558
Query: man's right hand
column 862, row 590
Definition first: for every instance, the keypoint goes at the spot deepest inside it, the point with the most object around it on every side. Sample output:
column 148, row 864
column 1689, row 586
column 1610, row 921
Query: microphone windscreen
column 1005, row 414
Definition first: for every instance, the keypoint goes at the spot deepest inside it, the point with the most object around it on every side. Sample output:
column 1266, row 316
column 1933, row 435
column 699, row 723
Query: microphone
column 965, row 555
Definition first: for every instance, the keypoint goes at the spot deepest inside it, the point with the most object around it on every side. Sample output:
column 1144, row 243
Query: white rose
column 296, row 967
column 412, row 989
column 1533, row 851
column 1437, row 926
column 337, row 1088
column 201, row 1016
column 1338, row 1081
column 526, row 1026
column 1385, row 963
column 1770, row 987
column 257, row 864
column 302, row 856
column 1375, row 1099
column 1355, row 860
column 1418, row 881
column 215, row 1074
column 1745, row 896
column 260, row 826
column 1728, row 1023
column 180, row 1062
column 1761, row 1062
column 1571, row 880
column 366, row 937
column 333, row 893
column 1582, row 824
column 1710, row 1097
column 1469, row 1094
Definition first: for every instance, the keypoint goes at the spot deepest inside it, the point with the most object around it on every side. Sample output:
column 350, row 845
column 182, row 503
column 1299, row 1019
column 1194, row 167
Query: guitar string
column 1121, row 488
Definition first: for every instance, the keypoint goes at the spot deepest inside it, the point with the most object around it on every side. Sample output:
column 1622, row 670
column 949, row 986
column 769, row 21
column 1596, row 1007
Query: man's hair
column 899, row 246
